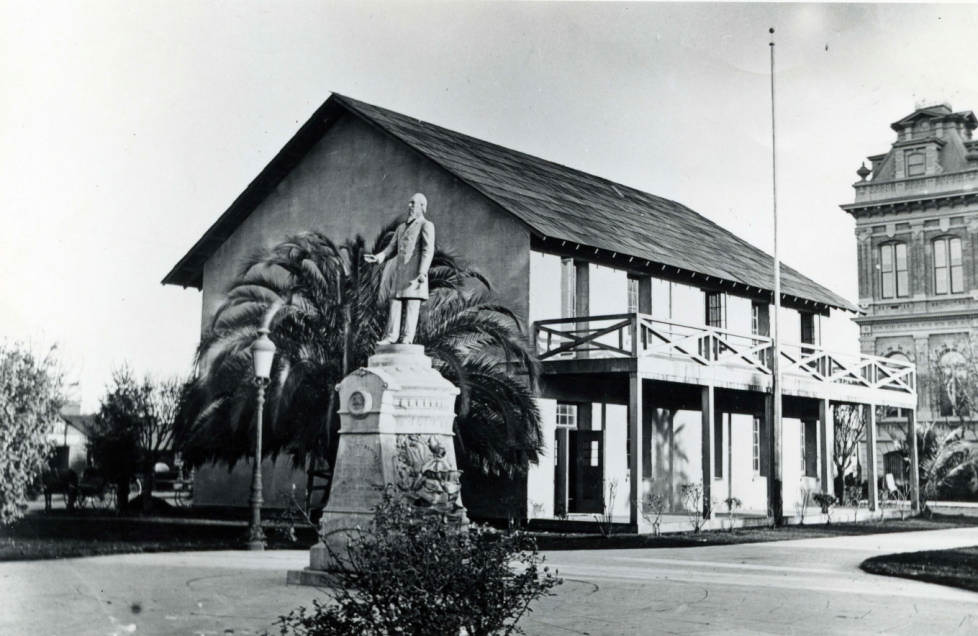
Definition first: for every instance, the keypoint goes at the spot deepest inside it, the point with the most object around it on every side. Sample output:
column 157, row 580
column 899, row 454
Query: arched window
column 916, row 165
column 894, row 280
column 952, row 384
column 948, row 269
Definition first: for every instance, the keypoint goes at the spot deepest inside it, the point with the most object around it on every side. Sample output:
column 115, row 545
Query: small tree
column 692, row 497
column 132, row 429
column 849, row 428
column 415, row 573
column 732, row 503
column 30, row 399
column 653, row 505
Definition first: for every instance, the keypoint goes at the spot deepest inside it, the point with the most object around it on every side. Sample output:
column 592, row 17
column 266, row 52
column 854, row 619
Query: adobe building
column 916, row 213
column 652, row 322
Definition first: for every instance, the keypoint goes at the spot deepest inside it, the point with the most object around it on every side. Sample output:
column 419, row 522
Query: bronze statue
column 414, row 246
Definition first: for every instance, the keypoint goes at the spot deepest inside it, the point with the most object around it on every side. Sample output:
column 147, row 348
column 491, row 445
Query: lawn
column 957, row 567
column 568, row 541
column 59, row 534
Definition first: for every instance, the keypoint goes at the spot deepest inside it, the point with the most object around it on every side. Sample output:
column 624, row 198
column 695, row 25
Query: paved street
column 802, row 587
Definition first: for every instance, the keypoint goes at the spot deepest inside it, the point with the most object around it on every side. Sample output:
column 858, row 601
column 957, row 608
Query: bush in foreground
column 414, row 573
column 30, row 399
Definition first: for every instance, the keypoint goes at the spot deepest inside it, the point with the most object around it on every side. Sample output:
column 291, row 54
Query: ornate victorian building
column 916, row 212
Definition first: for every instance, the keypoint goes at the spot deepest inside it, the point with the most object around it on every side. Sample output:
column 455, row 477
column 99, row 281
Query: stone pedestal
column 396, row 418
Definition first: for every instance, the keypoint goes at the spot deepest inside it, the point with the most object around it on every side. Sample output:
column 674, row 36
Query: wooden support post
column 582, row 298
column 872, row 472
column 709, row 451
column 826, row 425
column 635, row 448
column 914, row 461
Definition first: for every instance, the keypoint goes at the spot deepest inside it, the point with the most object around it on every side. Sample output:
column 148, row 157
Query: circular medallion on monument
column 359, row 403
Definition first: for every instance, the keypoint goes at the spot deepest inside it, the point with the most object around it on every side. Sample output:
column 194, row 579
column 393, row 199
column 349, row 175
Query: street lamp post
column 262, row 352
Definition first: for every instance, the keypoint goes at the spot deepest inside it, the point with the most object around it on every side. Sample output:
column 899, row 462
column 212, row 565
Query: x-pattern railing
column 639, row 335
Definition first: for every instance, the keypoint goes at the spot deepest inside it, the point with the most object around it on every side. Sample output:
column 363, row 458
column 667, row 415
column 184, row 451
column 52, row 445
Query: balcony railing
column 640, row 335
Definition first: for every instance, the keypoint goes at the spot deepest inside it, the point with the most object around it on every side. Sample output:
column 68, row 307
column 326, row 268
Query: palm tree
column 326, row 308
column 947, row 462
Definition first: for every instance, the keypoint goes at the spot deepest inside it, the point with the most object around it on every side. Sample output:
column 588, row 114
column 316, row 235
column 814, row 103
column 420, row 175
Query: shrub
column 653, row 505
column 732, row 503
column 414, row 573
column 825, row 500
column 606, row 520
column 30, row 399
column 692, row 496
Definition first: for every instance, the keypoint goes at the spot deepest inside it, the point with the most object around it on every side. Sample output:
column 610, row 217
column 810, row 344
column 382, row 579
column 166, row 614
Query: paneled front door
column 587, row 470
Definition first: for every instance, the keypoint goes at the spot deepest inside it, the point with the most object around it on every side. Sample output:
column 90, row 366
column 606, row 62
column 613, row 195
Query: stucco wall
column 355, row 181
column 540, row 476
column 748, row 486
column 615, row 426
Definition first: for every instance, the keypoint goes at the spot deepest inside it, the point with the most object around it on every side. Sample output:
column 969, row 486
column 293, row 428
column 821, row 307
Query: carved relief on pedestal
column 426, row 477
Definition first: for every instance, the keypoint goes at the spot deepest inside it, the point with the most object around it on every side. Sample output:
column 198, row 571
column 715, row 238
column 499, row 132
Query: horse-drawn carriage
column 91, row 490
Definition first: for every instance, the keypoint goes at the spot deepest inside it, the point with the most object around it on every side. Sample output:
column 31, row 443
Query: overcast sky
column 127, row 128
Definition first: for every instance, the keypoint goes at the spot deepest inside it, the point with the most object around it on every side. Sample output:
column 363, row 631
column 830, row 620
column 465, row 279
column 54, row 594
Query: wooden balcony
column 696, row 354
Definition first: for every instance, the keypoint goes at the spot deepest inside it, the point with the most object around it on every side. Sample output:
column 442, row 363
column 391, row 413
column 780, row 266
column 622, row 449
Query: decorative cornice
column 929, row 315
column 904, row 203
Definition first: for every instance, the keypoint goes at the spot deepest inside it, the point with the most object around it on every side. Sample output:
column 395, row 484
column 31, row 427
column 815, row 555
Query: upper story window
column 948, row 270
column 716, row 309
column 915, row 163
column 632, row 295
column 808, row 335
column 894, row 280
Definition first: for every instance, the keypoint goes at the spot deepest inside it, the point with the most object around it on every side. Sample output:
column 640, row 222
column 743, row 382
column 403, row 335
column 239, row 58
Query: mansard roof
column 558, row 204
column 940, row 111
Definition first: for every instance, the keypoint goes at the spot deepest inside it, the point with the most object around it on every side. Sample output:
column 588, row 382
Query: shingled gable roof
column 556, row 203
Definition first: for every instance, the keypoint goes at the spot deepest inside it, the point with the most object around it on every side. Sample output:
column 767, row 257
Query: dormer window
column 915, row 163
column 948, row 270
column 894, row 280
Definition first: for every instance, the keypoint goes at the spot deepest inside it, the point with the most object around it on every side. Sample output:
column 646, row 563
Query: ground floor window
column 809, row 448
column 756, row 447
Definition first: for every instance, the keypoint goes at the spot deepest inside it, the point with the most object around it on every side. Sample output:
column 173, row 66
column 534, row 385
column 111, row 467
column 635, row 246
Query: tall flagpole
column 774, row 479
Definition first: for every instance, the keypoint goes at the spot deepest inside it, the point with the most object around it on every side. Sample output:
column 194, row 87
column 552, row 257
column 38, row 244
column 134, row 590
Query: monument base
column 312, row 578
column 396, row 433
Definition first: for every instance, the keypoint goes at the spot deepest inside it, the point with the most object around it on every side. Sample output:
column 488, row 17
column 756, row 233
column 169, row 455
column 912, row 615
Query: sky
column 127, row 128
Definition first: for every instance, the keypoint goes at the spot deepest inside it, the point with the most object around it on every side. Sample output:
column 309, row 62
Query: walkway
column 791, row 587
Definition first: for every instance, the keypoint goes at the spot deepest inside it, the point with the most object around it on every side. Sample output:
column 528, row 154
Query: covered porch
column 689, row 407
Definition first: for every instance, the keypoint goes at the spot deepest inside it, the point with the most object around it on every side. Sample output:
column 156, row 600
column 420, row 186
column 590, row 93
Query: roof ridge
column 514, row 151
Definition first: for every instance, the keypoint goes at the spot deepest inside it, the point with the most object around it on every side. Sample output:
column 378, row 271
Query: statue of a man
column 414, row 247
